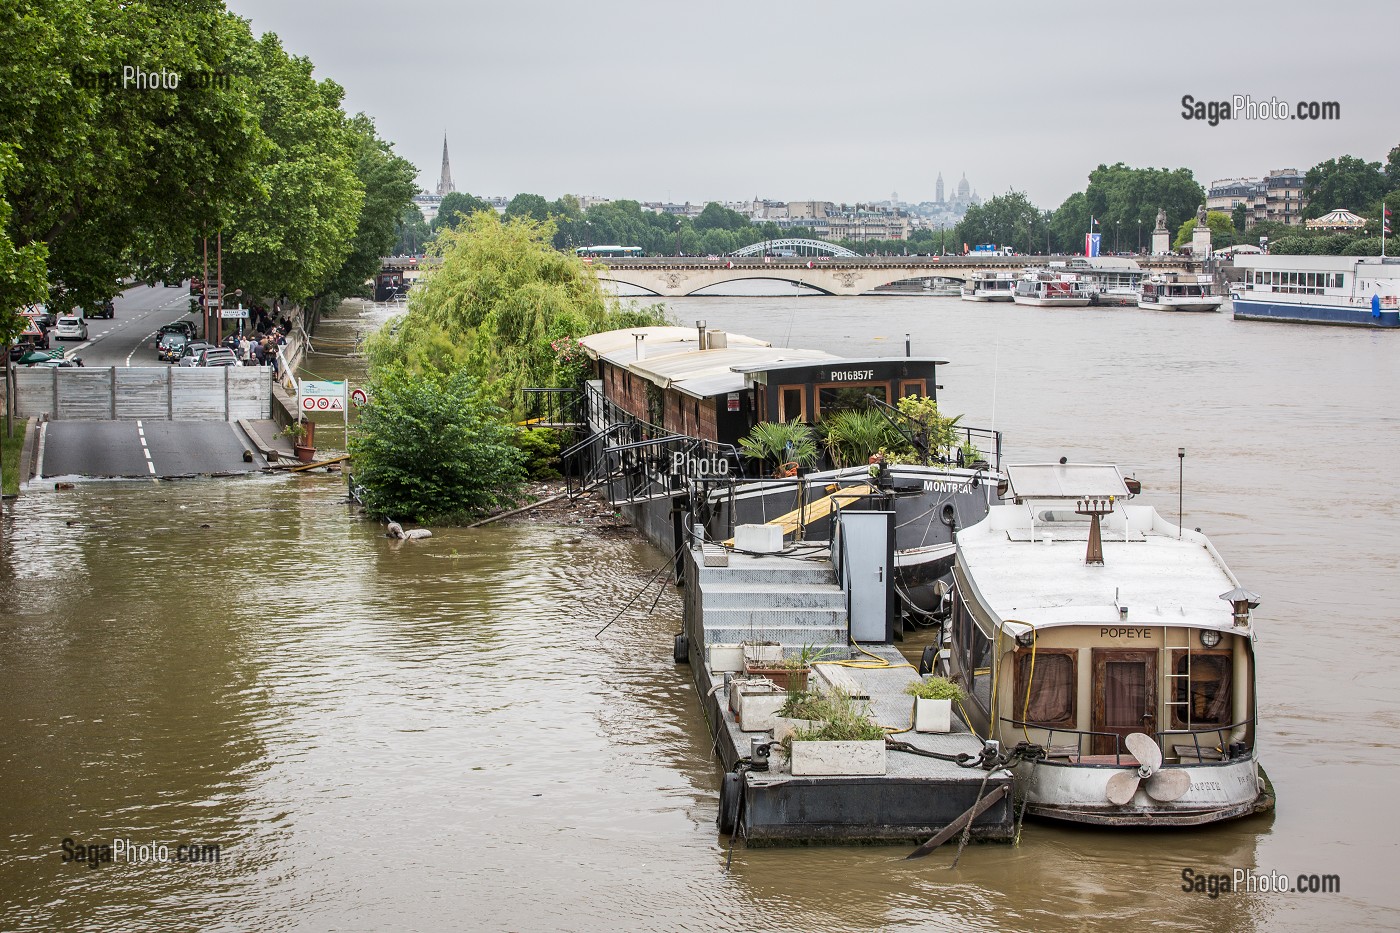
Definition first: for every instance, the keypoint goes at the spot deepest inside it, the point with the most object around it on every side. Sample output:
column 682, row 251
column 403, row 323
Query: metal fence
column 168, row 393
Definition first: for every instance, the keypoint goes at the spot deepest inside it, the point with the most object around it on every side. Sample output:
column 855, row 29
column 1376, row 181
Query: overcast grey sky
column 720, row 100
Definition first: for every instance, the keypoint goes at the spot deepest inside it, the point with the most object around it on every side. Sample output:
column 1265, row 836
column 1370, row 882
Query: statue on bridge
column 1201, row 216
column 1161, row 218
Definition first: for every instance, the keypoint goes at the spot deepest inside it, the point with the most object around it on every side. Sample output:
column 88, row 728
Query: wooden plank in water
column 955, row 827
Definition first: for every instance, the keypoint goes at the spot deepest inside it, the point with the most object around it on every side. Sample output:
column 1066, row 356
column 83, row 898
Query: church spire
column 445, row 185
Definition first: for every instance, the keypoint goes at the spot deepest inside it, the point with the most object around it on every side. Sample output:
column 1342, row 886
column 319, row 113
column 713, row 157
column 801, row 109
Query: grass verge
column 10, row 448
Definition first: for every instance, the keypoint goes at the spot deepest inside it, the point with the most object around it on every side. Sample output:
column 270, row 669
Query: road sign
column 359, row 397
column 233, row 312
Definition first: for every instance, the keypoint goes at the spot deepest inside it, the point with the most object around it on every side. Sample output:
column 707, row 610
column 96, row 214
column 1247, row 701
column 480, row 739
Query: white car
column 70, row 327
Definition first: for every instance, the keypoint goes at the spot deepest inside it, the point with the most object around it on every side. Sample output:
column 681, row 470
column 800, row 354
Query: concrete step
column 786, row 572
column 791, row 638
column 777, row 595
column 735, row 616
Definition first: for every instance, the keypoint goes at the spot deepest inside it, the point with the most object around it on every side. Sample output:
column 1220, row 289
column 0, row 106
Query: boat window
column 1046, row 685
column 834, row 398
column 1206, row 693
column 790, row 404
column 913, row 387
column 1337, row 280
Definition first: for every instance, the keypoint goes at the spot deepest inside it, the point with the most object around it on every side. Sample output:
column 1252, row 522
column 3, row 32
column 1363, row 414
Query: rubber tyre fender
column 680, row 649
column 731, row 790
column 926, row 662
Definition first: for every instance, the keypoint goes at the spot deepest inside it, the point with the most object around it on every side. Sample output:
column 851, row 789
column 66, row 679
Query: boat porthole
column 949, row 514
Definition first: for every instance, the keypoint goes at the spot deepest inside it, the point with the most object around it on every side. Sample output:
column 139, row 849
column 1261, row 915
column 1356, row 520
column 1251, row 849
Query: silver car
column 70, row 327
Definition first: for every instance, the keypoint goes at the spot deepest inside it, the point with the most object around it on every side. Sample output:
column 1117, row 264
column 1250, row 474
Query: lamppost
column 1180, row 485
column 1115, row 236
column 1139, row 236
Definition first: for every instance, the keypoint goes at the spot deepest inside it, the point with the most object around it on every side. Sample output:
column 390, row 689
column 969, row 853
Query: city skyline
column 675, row 107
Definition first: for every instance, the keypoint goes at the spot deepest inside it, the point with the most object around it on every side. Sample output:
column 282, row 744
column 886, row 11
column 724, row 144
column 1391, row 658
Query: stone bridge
column 676, row 278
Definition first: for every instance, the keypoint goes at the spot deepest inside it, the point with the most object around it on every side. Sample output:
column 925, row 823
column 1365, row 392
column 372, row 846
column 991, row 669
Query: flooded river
column 428, row 735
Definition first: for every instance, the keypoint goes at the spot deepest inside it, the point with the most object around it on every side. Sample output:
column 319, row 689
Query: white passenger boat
column 1051, row 289
column 1176, row 292
column 1113, row 649
column 1357, row 290
column 989, row 286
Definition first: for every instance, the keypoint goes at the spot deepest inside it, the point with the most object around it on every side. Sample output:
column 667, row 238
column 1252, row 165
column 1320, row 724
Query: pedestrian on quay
column 259, row 350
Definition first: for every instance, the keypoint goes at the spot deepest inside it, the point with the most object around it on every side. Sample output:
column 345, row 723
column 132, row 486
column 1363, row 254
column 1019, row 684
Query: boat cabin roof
column 1025, row 562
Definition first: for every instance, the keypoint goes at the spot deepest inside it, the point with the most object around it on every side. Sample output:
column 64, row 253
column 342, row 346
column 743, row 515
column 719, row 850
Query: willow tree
column 501, row 298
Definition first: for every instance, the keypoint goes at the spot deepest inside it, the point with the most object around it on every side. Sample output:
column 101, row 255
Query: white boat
column 1113, row 650
column 1358, row 290
column 989, row 286
column 1109, row 280
column 1177, row 292
column 1051, row 290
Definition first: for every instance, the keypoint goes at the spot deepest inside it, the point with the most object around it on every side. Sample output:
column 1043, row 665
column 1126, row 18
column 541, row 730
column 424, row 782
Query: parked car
column 105, row 308
column 70, row 327
column 217, row 356
column 189, row 355
column 170, row 344
column 185, row 327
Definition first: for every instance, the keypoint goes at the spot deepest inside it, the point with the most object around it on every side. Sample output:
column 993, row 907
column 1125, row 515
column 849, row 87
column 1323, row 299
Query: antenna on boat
column 1180, row 481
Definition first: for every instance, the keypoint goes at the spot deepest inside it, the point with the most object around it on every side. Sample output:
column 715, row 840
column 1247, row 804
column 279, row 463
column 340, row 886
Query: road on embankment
column 140, row 448
column 123, row 339
column 145, row 449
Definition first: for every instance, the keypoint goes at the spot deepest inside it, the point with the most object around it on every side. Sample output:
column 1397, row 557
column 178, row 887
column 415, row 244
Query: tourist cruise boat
column 989, row 286
column 1176, row 292
column 1362, row 291
column 1116, row 649
column 1051, row 289
column 1109, row 280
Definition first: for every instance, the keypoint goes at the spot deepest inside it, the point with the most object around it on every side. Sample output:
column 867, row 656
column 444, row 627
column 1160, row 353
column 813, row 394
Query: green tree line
column 100, row 180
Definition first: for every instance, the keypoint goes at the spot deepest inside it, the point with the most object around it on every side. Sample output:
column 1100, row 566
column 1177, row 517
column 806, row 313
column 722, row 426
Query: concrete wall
column 169, row 393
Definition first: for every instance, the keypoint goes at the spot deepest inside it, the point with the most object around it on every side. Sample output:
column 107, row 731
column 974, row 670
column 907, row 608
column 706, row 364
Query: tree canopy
column 1344, row 182
column 106, row 181
column 497, row 305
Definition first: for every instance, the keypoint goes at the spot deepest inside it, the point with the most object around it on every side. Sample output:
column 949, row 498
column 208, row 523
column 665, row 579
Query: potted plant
column 790, row 673
column 303, row 435
column 802, row 709
column 844, row 742
column 933, row 703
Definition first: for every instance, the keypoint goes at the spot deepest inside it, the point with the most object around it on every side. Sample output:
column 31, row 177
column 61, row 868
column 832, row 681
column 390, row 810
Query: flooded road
column 427, row 735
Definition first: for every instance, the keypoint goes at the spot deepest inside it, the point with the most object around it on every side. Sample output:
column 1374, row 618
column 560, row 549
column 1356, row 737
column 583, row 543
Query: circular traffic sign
column 308, row 404
column 323, row 403
column 359, row 397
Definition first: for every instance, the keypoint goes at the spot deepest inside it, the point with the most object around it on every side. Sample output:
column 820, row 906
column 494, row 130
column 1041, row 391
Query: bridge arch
column 799, row 246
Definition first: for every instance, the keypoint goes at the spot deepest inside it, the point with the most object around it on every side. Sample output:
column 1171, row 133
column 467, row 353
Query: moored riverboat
column 1362, row 291
column 989, row 286
column 1177, row 292
column 1115, row 649
column 1051, row 289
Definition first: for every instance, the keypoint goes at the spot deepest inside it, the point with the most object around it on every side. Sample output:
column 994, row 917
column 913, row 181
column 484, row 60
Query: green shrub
column 841, row 720
column 776, row 443
column 541, row 449
column 936, row 688
column 853, row 435
column 428, row 448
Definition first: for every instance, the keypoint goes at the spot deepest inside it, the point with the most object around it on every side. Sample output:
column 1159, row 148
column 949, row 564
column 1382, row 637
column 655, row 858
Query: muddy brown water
column 427, row 735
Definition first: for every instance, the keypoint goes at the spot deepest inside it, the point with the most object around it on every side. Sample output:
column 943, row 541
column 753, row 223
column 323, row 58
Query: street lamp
column 1180, row 482
column 1139, row 236
column 1115, row 236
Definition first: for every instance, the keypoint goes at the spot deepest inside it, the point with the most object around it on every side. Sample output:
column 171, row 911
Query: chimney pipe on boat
column 700, row 326
column 641, row 345
column 1094, row 508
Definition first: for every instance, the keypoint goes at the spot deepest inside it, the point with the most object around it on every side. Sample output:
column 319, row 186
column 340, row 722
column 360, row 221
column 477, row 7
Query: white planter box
column 758, row 711
column 933, row 715
column 783, row 727
column 763, row 652
column 725, row 658
column 813, row 759
column 758, row 539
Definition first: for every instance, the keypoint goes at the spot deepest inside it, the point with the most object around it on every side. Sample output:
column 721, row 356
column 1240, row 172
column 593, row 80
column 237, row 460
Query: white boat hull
column 1184, row 304
column 986, row 296
column 1079, row 793
column 1076, row 302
